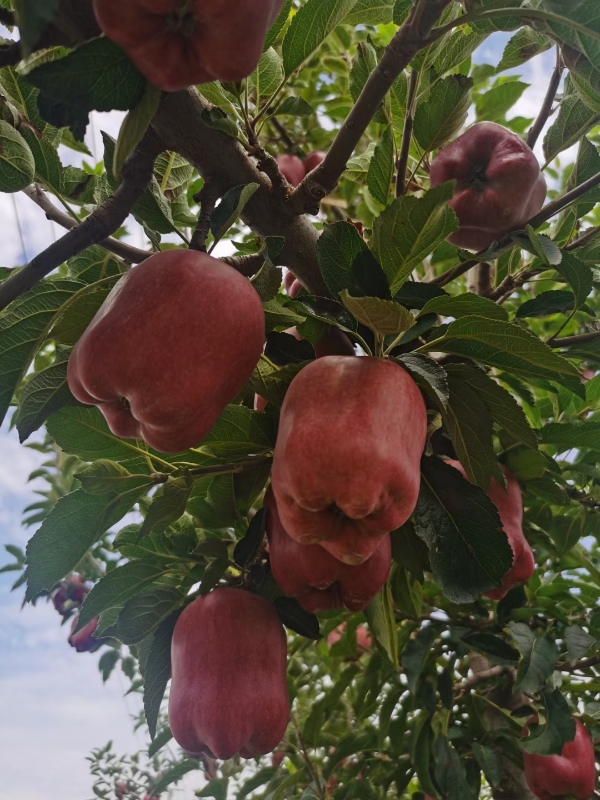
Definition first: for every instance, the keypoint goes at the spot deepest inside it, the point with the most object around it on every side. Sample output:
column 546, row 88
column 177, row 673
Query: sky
column 53, row 706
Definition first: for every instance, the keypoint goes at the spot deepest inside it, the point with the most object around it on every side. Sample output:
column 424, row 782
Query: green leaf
column 157, row 671
column 162, row 738
column 294, row 107
column 94, row 264
column 105, row 477
column 556, row 301
column 578, row 642
column 502, row 406
column 144, row 612
column 538, row 657
column 347, row 263
column 44, row 394
column 574, row 120
column 24, row 326
column 310, row 27
column 503, row 345
column 294, row 617
column 168, row 505
column 48, row 169
column 381, row 316
column 578, row 275
column 450, row 771
column 75, row 523
column 524, row 45
column 464, row 305
column 134, row 126
column 370, row 12
column 459, row 523
column 442, row 112
column 96, row 76
column 247, row 548
column 382, row 624
column 239, row 432
column 549, row 739
column 493, row 647
column 409, row 229
column 229, row 209
column 428, row 375
column 268, row 74
column 416, row 653
column 33, row 17
column 107, row 663
column 572, row 433
column 493, row 104
column 489, row 762
column 116, row 587
column 469, row 425
column 381, row 167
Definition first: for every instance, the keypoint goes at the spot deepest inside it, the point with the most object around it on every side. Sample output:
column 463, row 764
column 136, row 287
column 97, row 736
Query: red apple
column 509, row 503
column 84, row 640
column 499, row 184
column 229, row 690
column 571, row 774
column 70, row 595
column 363, row 641
column 292, row 168
column 176, row 45
column 317, row 579
column 346, row 468
column 173, row 344
column 313, row 160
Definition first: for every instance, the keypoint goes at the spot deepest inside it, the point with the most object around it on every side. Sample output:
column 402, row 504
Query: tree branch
column 582, row 663
column 208, row 200
column 131, row 254
column 546, row 109
column 408, row 41
column 572, row 341
column 480, row 677
column 407, row 134
column 222, row 161
column 137, row 174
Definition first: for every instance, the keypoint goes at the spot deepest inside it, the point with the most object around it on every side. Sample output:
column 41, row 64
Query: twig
column 285, row 137
column 479, row 677
column 125, row 251
column 225, row 469
column 484, row 279
column 546, row 109
column 573, row 341
column 407, row 133
column 207, row 197
column 247, row 265
column 137, row 174
column 407, row 42
column 583, row 663
column 307, row 760
column 10, row 54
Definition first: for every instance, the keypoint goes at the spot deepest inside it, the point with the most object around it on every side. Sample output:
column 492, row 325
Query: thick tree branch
column 137, row 174
column 582, row 663
column 573, row 341
column 223, row 162
column 405, row 45
column 546, row 109
column 131, row 254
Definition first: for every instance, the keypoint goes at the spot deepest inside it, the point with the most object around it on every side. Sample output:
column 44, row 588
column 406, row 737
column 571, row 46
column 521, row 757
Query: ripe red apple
column 499, row 185
column 292, row 284
column 176, row 45
column 571, row 774
column 317, row 579
column 313, row 160
column 171, row 346
column 292, row 168
column 229, row 691
column 364, row 643
column 346, row 464
column 509, row 503
column 71, row 594
column 84, row 640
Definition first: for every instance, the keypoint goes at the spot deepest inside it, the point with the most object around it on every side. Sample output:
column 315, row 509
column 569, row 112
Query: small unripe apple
column 499, row 184
column 292, row 168
column 571, row 774
column 509, row 503
column 313, row 160
column 84, row 640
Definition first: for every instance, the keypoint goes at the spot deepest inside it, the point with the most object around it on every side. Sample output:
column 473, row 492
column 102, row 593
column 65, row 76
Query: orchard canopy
column 322, row 473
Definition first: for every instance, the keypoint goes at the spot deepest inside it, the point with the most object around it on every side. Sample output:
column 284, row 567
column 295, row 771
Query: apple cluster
column 67, row 600
column 294, row 169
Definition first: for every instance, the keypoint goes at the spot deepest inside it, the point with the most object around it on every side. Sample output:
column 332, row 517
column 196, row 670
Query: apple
column 121, row 789
column 313, row 160
column 291, row 284
column 292, row 168
column 346, row 467
column 364, row 643
column 176, row 45
column 174, row 342
column 509, row 503
column 277, row 757
column 229, row 691
column 499, row 184
column 84, row 640
column 317, row 579
column 571, row 774
column 71, row 594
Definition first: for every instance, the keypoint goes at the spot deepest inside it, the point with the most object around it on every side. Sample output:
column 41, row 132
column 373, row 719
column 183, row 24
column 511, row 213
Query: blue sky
column 53, row 706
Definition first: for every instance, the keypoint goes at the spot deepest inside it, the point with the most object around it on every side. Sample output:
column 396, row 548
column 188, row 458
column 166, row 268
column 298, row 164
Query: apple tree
column 321, row 458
